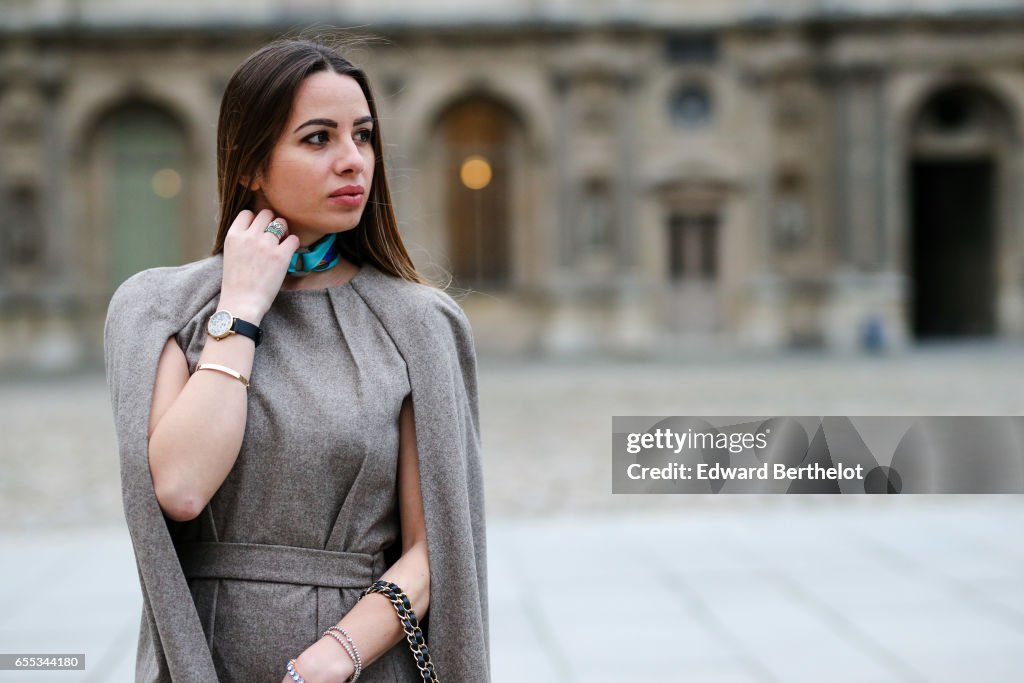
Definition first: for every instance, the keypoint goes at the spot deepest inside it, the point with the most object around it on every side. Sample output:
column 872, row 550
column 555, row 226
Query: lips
column 348, row 191
column 350, row 196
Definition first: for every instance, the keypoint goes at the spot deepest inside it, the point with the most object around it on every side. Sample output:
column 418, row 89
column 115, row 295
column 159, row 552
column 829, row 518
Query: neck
column 306, row 239
column 341, row 273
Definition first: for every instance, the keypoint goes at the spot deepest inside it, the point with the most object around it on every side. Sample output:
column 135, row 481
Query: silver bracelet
column 350, row 648
column 293, row 673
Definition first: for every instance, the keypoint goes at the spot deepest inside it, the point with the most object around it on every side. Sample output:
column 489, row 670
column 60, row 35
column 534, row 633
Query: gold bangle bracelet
column 226, row 370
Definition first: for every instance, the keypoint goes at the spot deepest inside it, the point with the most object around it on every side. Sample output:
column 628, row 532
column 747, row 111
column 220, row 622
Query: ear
column 252, row 185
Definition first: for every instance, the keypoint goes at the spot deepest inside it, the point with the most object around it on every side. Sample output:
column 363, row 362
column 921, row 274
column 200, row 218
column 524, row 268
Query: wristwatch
column 222, row 323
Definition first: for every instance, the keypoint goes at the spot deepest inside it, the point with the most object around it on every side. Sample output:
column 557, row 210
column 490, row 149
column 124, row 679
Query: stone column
column 865, row 307
column 860, row 131
column 588, row 87
column 565, row 330
column 39, row 332
column 765, row 295
column 633, row 327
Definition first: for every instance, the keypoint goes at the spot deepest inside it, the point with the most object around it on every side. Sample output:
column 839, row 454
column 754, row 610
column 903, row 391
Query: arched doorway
column 139, row 178
column 477, row 136
column 959, row 142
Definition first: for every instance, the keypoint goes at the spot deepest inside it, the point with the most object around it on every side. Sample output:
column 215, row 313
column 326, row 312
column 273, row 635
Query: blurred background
column 717, row 207
column 633, row 177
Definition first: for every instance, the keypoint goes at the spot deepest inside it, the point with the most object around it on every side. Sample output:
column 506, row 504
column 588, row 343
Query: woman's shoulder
column 168, row 290
column 440, row 309
column 425, row 302
column 425, row 311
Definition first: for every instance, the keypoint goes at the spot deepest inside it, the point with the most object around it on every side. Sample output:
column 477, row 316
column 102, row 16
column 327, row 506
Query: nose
column 349, row 160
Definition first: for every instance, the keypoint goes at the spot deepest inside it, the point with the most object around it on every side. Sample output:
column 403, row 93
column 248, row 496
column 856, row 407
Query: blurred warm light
column 166, row 183
column 475, row 173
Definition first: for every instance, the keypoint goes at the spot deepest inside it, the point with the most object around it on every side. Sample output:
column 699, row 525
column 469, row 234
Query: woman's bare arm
column 196, row 424
column 373, row 622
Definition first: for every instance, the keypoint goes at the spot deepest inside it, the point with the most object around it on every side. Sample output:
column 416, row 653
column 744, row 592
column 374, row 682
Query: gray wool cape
column 434, row 338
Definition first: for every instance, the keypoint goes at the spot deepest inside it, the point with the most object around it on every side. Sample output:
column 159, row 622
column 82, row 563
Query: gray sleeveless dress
column 317, row 469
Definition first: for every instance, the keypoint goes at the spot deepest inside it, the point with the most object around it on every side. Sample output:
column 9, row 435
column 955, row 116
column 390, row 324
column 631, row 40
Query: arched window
column 140, row 167
column 477, row 135
column 690, row 106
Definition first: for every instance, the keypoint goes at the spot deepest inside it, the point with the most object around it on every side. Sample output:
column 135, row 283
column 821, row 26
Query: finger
column 262, row 220
column 277, row 228
column 291, row 243
column 242, row 221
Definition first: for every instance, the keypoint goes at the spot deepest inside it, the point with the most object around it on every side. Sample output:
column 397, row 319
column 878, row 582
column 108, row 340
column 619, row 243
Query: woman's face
column 321, row 167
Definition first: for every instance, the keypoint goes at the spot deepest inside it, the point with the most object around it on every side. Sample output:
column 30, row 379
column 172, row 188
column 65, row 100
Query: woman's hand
column 323, row 662
column 255, row 263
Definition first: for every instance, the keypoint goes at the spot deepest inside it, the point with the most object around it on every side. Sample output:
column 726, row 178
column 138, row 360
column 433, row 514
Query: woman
column 297, row 414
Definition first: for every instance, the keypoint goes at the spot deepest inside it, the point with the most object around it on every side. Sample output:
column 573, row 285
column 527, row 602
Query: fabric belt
column 276, row 563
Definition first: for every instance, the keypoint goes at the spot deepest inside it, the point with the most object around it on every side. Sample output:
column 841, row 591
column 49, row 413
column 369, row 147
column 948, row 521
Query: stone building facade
column 638, row 177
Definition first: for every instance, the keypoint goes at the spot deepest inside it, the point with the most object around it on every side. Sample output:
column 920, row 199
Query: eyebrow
column 330, row 123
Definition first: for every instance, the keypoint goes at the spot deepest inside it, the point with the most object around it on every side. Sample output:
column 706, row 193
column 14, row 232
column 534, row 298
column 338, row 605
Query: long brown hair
column 253, row 112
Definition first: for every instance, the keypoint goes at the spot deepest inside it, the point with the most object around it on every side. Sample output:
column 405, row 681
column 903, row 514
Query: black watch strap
column 247, row 329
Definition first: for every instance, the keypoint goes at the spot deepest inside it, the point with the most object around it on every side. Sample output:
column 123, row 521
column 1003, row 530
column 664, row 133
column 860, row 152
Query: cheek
column 291, row 176
column 370, row 165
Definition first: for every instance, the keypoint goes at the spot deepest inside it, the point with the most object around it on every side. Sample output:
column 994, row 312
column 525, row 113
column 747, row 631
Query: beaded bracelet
column 413, row 634
column 350, row 648
column 293, row 673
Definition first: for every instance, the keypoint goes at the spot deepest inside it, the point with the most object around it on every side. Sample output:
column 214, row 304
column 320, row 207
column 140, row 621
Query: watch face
column 220, row 324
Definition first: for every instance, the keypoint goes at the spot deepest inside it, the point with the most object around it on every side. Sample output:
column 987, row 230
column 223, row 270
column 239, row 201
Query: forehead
column 326, row 93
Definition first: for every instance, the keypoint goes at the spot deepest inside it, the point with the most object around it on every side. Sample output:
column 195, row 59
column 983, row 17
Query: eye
column 310, row 138
column 364, row 135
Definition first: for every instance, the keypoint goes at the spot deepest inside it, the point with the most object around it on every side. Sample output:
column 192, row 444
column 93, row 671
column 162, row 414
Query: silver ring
column 276, row 228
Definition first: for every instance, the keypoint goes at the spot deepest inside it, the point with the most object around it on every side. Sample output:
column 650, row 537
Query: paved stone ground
column 675, row 588
column 912, row 592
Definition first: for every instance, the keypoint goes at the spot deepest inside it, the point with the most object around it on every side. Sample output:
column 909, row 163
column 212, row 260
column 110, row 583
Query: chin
column 327, row 227
column 346, row 226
